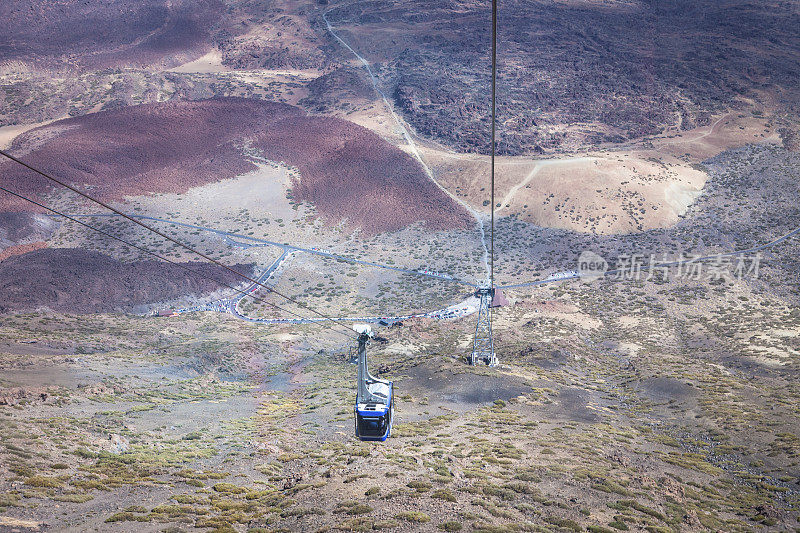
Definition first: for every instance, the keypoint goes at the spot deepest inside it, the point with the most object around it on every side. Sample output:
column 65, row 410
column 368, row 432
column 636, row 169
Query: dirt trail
column 535, row 170
column 480, row 218
column 702, row 135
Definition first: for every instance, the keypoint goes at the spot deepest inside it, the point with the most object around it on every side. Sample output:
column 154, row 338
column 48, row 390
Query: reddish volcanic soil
column 20, row 249
column 80, row 281
column 106, row 33
column 347, row 171
column 24, row 228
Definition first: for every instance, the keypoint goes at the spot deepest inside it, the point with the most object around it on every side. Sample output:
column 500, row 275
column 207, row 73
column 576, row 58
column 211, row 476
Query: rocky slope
column 82, row 281
column 347, row 172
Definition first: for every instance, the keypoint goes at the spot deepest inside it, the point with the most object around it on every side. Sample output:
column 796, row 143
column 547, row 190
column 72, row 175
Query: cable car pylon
column 483, row 345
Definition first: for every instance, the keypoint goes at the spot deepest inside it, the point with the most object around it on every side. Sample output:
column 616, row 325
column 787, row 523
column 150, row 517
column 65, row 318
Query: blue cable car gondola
column 374, row 407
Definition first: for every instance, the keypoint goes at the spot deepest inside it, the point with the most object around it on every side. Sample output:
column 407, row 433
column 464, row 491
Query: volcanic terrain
column 310, row 144
column 81, row 281
column 575, row 74
column 346, row 171
column 105, row 34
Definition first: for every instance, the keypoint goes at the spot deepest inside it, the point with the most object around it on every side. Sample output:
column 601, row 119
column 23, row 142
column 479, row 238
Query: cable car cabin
column 374, row 407
column 374, row 420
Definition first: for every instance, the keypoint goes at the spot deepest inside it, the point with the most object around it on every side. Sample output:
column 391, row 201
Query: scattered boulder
column 18, row 395
column 118, row 444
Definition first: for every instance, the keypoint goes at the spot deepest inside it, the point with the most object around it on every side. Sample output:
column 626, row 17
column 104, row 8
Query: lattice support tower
column 483, row 346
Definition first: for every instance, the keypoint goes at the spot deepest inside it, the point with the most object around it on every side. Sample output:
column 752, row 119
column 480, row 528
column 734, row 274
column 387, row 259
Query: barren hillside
column 81, row 281
column 106, row 34
column 575, row 74
column 346, row 171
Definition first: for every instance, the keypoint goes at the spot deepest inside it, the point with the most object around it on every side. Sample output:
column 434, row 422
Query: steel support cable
column 494, row 91
column 175, row 241
column 149, row 252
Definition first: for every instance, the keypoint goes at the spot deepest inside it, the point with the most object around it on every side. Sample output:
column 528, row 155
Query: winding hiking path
column 534, row 171
column 481, row 219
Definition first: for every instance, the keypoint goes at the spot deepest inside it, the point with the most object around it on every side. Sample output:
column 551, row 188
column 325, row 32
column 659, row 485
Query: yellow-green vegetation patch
column 563, row 523
column 79, row 497
column 128, row 516
column 303, row 511
column 227, row 504
column 419, row 486
column 598, row 529
column 169, row 510
column 352, row 508
column 191, row 498
column 89, row 484
column 356, row 524
column 443, row 494
column 504, row 493
column 229, row 487
column 9, row 499
column 422, row 428
column 694, row 461
column 632, row 504
column 43, row 482
column 192, row 474
column 413, row 516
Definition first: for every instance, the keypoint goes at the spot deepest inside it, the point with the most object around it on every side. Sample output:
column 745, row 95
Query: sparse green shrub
column 190, row 498
column 77, row 497
column 175, row 511
column 302, row 511
column 353, row 508
column 443, row 494
column 528, row 477
column 89, row 484
column 641, row 508
column 499, row 492
column 419, row 486
column 229, row 488
column 297, row 488
column 8, row 499
column 413, row 516
column 564, row 523
column 127, row 516
column 43, row 482
column 599, row 529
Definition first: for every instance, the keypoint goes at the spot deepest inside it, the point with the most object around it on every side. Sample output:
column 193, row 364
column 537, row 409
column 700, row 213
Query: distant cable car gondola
column 374, row 407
